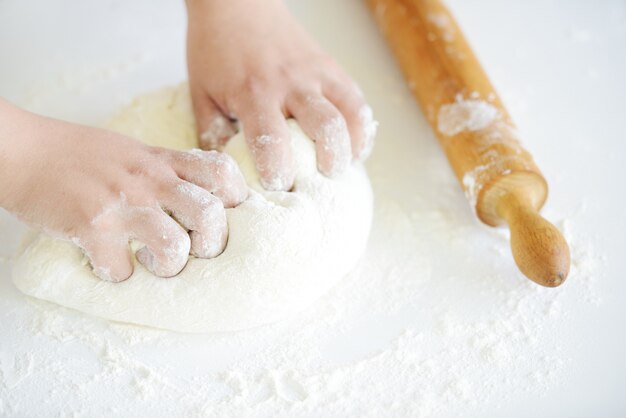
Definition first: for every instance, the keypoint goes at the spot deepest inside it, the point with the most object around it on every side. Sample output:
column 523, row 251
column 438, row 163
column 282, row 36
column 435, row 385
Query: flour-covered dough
column 284, row 250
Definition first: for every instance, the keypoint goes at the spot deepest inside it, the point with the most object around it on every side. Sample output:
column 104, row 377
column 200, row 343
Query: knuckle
column 307, row 97
column 219, row 157
column 152, row 171
column 221, row 165
column 210, row 204
column 253, row 85
column 166, row 188
column 210, row 211
column 284, row 71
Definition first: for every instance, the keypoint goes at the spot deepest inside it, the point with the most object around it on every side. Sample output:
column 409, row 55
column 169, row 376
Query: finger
column 109, row 256
column 359, row 117
column 269, row 141
column 167, row 244
column 214, row 128
column 203, row 214
column 215, row 172
column 326, row 126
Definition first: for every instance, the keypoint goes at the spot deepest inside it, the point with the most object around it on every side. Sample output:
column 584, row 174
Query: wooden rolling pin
column 499, row 177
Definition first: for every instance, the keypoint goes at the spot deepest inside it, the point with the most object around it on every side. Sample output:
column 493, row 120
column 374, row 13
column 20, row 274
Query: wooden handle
column 539, row 249
column 475, row 131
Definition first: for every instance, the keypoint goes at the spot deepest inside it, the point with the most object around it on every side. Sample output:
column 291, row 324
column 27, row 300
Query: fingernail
column 146, row 258
column 103, row 274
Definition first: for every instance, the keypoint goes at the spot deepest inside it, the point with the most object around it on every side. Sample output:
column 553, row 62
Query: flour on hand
column 284, row 249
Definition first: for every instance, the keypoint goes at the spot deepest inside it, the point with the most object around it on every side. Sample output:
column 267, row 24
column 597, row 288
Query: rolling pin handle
column 538, row 247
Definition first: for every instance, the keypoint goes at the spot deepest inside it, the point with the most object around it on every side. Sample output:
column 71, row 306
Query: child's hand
column 250, row 60
column 101, row 189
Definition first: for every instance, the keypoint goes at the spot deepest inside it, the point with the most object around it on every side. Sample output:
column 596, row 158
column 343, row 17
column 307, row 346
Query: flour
column 472, row 188
column 466, row 115
column 326, row 361
column 284, row 249
column 16, row 371
column 264, row 139
column 370, row 127
column 441, row 21
column 335, row 140
column 448, row 362
column 219, row 129
column 472, row 182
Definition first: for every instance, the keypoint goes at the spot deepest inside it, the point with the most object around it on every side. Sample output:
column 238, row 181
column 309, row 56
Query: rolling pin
column 499, row 177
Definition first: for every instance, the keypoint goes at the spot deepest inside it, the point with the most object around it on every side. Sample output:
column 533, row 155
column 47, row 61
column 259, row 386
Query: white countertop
column 436, row 321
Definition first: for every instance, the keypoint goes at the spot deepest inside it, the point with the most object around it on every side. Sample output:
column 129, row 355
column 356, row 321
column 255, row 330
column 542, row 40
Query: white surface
column 559, row 67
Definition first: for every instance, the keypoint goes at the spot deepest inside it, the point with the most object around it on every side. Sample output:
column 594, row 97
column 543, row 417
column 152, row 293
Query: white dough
column 284, row 251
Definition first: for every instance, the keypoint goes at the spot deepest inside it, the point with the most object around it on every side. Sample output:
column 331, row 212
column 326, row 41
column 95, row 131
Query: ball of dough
column 284, row 251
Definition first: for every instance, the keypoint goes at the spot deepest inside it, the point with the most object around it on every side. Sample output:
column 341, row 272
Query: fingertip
column 203, row 214
column 208, row 247
column 169, row 267
column 113, row 275
column 236, row 187
column 333, row 147
column 110, row 259
column 274, row 159
column 279, row 181
column 348, row 98
column 214, row 128
column 146, row 258
column 167, row 244
column 217, row 131
column 322, row 121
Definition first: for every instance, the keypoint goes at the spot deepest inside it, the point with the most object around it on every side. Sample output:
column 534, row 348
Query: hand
column 101, row 189
column 250, row 60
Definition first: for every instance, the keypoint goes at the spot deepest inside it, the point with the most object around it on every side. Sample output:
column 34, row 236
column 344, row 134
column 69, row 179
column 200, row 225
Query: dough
column 284, row 251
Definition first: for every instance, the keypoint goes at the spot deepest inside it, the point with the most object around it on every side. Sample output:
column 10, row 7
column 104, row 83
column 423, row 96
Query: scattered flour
column 339, row 357
column 472, row 188
column 441, row 21
column 396, row 338
column 465, row 115
column 472, row 182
